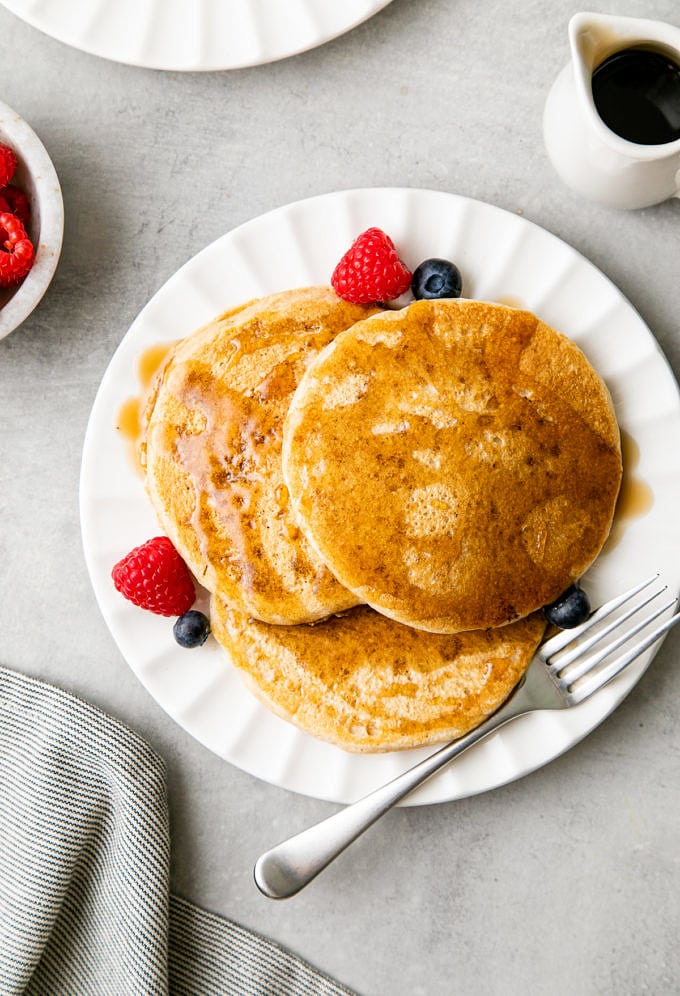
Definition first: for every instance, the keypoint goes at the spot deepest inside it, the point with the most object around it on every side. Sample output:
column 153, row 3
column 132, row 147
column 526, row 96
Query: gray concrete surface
column 566, row 882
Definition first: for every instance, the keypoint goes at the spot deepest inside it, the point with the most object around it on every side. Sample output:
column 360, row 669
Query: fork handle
column 288, row 867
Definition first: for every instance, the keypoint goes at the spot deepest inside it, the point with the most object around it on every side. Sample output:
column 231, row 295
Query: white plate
column 502, row 257
column 194, row 35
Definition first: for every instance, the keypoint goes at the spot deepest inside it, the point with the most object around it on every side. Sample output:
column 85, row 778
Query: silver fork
column 566, row 669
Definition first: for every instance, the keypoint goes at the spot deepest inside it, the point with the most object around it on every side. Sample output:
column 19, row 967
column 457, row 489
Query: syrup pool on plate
column 129, row 417
column 635, row 497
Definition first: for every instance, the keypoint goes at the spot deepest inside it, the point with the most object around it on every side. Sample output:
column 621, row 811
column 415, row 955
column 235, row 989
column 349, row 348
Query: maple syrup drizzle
column 129, row 420
column 511, row 301
column 635, row 495
column 151, row 361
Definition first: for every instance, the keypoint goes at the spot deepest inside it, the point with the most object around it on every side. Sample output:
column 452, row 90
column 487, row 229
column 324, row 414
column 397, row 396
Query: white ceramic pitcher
column 588, row 156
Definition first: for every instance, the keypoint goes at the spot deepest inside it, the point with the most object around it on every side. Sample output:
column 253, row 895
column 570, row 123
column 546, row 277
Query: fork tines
column 569, row 648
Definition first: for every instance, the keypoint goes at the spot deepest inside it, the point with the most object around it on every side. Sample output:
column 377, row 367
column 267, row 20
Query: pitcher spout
column 594, row 37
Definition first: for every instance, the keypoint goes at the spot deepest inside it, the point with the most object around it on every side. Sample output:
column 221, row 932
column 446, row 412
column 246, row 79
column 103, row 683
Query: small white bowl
column 36, row 176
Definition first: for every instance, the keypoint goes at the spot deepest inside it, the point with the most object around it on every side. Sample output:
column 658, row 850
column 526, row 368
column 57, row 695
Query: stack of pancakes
column 381, row 501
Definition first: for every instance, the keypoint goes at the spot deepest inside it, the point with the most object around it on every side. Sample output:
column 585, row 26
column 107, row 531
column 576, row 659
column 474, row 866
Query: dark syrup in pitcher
column 637, row 94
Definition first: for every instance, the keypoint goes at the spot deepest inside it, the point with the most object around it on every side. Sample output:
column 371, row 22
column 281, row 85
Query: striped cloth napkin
column 85, row 906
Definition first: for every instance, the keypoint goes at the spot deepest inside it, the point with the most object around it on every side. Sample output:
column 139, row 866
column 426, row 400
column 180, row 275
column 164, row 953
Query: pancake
column 212, row 453
column 456, row 464
column 366, row 683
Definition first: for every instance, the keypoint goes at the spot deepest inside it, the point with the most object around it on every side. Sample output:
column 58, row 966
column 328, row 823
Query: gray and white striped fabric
column 84, row 868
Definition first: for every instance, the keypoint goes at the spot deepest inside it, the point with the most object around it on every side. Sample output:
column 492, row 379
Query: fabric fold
column 84, row 868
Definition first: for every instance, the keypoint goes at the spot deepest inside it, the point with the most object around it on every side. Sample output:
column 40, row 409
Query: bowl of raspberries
column 31, row 220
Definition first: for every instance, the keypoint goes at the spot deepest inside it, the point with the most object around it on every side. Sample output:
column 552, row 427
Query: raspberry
column 155, row 577
column 8, row 164
column 16, row 202
column 371, row 271
column 16, row 250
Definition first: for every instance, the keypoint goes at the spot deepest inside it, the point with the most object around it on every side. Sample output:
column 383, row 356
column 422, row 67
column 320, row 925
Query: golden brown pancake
column 456, row 464
column 213, row 454
column 367, row 683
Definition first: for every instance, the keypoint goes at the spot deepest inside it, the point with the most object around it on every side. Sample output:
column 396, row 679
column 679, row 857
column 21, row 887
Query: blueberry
column 436, row 278
column 570, row 609
column 191, row 629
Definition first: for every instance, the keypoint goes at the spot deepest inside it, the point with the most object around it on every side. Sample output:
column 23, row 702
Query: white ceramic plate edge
column 347, row 776
column 152, row 34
